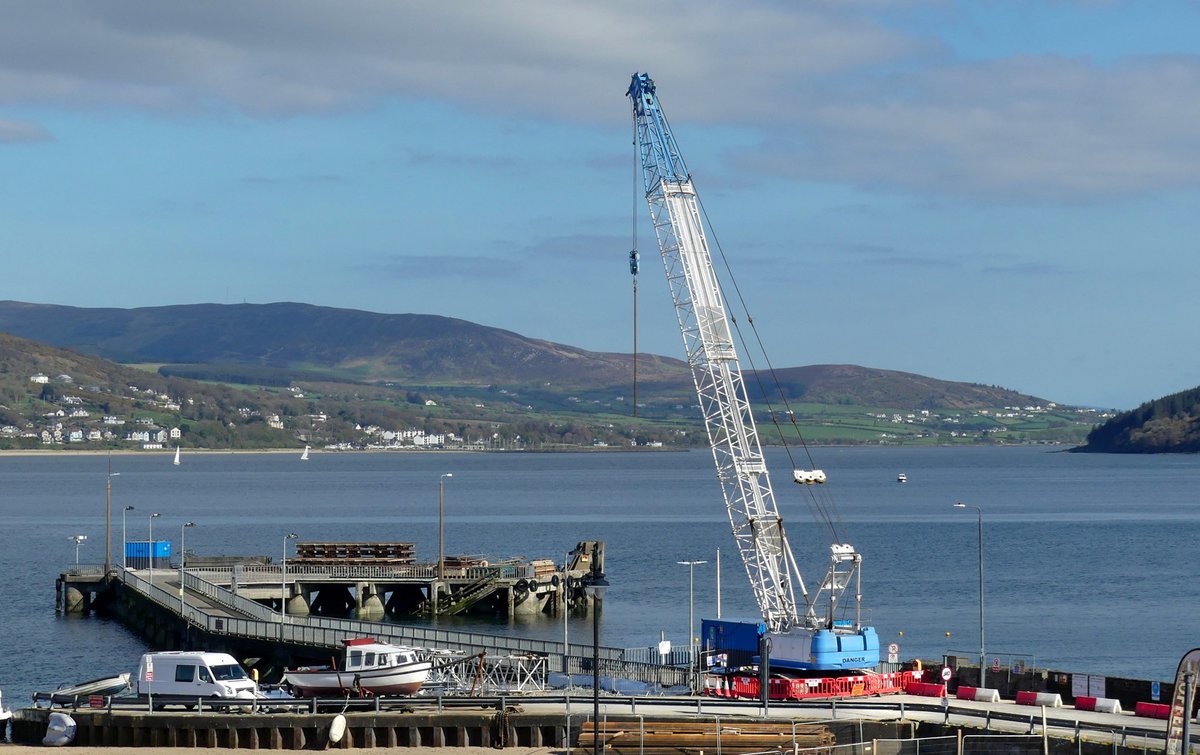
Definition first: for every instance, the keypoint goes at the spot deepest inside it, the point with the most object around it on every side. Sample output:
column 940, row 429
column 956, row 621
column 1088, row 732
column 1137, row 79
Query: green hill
column 392, row 373
column 1170, row 424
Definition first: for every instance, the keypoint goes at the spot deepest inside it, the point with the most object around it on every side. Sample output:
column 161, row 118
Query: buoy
column 337, row 728
column 60, row 730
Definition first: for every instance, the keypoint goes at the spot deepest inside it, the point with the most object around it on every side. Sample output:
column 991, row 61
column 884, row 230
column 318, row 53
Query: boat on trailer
column 368, row 667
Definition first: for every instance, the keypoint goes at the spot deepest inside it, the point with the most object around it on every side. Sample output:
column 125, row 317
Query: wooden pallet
column 701, row 737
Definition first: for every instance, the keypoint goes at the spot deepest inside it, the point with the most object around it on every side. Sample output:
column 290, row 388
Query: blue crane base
column 732, row 643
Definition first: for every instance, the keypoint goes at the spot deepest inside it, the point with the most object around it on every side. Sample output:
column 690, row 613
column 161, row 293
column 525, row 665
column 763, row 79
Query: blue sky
column 998, row 192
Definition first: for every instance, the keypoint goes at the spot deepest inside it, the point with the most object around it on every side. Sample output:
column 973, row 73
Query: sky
column 999, row 191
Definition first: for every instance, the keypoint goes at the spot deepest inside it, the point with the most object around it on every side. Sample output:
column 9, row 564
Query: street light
column 982, row 656
column 108, row 517
column 283, row 593
column 78, row 540
column 124, row 539
column 595, row 588
column 182, row 556
column 691, row 565
column 151, row 544
column 442, row 527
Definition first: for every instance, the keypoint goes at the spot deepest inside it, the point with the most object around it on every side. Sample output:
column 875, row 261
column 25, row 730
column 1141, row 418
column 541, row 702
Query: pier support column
column 368, row 605
column 297, row 606
column 74, row 601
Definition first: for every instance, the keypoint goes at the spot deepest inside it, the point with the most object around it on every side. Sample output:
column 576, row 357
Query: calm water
column 1090, row 560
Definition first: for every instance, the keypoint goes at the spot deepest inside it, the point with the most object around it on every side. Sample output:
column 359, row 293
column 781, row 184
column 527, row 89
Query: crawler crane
column 804, row 635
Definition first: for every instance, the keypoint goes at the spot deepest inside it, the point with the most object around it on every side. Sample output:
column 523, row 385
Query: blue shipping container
column 137, row 554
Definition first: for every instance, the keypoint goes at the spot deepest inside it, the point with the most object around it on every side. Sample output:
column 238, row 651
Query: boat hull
column 397, row 680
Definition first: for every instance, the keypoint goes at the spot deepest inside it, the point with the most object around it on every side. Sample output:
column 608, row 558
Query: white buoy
column 337, row 728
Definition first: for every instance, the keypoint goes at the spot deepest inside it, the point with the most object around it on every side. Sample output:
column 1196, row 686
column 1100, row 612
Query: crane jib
column 728, row 417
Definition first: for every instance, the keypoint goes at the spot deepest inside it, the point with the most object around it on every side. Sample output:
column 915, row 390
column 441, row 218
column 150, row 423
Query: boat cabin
column 364, row 653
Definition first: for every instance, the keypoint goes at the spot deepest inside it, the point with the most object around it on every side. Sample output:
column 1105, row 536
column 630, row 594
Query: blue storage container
column 137, row 554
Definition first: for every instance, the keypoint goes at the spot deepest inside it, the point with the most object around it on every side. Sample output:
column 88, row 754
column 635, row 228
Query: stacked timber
column 342, row 554
column 701, row 737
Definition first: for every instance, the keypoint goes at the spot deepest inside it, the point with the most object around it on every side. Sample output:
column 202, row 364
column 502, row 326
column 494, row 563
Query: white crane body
column 729, row 420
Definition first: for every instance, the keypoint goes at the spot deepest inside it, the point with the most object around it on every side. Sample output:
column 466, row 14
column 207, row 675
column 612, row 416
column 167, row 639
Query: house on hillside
column 39, row 378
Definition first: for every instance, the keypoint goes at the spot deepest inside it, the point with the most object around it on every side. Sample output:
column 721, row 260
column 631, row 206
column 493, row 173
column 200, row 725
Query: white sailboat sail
column 304, row 456
column 176, row 456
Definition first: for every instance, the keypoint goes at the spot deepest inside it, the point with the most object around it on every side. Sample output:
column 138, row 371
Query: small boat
column 901, row 477
column 368, row 667
column 304, row 456
column 105, row 686
column 176, row 455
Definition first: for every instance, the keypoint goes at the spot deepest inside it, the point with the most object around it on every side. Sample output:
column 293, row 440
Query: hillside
column 344, row 343
column 354, row 379
column 1170, row 424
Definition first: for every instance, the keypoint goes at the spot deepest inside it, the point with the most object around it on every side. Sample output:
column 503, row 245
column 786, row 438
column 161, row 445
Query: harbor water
column 1089, row 560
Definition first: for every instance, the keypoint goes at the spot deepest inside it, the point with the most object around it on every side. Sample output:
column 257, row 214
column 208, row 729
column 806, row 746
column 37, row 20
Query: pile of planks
column 701, row 737
column 354, row 553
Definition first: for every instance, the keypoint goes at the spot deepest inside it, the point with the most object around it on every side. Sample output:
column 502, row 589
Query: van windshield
column 228, row 672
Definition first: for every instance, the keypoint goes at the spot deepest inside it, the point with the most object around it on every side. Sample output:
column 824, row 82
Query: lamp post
column 108, row 517
column 124, row 539
column 596, row 587
column 441, row 574
column 283, row 593
column 691, row 565
column 982, row 655
column 151, row 544
column 78, row 540
column 182, row 556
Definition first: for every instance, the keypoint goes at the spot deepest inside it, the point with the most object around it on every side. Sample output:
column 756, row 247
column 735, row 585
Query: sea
column 1090, row 561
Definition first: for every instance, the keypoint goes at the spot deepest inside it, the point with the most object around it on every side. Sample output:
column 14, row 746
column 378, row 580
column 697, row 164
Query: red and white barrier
column 978, row 694
column 1049, row 699
column 1098, row 704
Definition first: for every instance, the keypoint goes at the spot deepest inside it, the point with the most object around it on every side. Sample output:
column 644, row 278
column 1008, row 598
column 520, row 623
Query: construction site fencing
column 749, row 687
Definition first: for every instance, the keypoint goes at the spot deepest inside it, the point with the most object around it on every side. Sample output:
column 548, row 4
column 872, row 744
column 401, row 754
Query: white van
column 194, row 674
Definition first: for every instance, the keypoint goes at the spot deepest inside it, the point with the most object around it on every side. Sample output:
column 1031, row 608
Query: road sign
column 946, row 674
column 995, row 664
column 893, row 648
column 1155, row 690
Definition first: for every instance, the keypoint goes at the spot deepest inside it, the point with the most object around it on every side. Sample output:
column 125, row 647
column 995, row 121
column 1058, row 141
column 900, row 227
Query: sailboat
column 304, row 456
column 176, row 456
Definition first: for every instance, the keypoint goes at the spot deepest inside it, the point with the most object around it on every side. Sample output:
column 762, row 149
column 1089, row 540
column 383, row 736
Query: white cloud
column 832, row 93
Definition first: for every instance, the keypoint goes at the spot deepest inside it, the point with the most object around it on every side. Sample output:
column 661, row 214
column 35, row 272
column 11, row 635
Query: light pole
column 78, row 540
column 596, row 587
column 441, row 526
column 982, row 655
column 283, row 594
column 108, row 517
column 182, row 556
column 151, row 544
column 691, row 565
column 124, row 539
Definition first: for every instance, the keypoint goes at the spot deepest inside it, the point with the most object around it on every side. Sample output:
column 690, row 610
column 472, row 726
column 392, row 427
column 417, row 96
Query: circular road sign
column 894, row 648
column 946, row 674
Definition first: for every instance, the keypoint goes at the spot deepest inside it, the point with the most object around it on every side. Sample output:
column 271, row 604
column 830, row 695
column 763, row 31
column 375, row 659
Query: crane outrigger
column 804, row 633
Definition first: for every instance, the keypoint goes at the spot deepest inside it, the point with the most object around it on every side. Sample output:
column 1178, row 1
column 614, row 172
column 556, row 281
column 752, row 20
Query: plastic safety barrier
column 1152, row 710
column 926, row 689
column 1049, row 699
column 978, row 694
column 1098, row 704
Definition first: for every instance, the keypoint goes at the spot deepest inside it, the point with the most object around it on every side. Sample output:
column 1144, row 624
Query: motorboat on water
column 368, row 667
column 104, row 686
column 901, row 477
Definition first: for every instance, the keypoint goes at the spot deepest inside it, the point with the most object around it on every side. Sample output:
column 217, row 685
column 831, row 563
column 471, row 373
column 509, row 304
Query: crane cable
column 825, row 511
